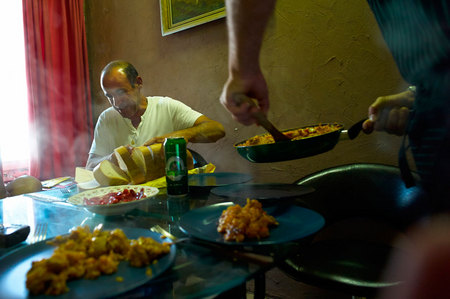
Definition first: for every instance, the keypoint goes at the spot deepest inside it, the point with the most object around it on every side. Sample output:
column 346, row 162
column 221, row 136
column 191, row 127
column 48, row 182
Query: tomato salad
column 115, row 197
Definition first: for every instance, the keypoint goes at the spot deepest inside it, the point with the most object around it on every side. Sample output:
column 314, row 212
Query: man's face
column 121, row 94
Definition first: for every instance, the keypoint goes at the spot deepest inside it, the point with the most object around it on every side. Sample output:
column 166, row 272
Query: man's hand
column 255, row 88
column 94, row 160
column 161, row 139
column 390, row 113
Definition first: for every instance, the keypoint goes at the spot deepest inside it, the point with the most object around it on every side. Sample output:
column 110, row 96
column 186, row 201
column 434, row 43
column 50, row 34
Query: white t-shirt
column 163, row 115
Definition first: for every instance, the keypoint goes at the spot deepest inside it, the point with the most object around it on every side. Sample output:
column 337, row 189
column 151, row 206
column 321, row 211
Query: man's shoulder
column 159, row 99
column 109, row 114
column 162, row 101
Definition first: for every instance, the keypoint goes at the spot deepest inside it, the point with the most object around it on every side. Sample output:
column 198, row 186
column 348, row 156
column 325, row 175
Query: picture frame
column 178, row 15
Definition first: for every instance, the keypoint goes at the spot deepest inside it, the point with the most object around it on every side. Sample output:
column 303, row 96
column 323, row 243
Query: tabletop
column 198, row 271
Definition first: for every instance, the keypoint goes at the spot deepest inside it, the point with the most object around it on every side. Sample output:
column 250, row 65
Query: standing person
column 418, row 35
column 136, row 120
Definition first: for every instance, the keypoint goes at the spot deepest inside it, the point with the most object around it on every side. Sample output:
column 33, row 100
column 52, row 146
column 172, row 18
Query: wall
column 325, row 61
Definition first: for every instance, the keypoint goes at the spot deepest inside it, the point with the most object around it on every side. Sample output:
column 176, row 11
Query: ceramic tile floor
column 280, row 286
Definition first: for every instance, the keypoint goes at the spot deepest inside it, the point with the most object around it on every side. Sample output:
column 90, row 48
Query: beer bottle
column 176, row 167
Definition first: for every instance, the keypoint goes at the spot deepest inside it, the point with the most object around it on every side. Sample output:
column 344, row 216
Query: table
column 197, row 272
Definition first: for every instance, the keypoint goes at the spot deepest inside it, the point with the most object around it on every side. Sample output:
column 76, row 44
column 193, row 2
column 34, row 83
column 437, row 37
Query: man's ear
column 139, row 81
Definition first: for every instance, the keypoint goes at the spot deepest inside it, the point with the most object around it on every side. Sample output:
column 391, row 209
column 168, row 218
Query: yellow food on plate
column 295, row 134
column 86, row 254
column 251, row 221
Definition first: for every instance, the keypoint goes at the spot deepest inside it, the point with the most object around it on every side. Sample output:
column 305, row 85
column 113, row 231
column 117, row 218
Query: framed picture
column 177, row 15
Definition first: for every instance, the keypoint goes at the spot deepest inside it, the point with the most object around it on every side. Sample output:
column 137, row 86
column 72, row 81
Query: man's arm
column 94, row 160
column 204, row 130
column 246, row 22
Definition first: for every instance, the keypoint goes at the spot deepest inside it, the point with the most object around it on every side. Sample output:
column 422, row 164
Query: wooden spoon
column 261, row 119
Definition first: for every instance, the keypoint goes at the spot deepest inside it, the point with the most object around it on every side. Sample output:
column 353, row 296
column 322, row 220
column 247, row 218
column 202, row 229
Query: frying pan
column 296, row 149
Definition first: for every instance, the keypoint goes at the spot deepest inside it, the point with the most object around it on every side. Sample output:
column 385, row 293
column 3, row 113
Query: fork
column 40, row 233
column 234, row 253
column 158, row 229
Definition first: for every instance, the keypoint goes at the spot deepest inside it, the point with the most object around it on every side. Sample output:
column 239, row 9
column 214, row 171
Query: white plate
column 112, row 209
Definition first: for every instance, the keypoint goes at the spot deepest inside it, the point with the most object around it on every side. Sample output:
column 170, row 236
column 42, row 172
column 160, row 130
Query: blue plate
column 15, row 265
column 217, row 179
column 262, row 192
column 294, row 223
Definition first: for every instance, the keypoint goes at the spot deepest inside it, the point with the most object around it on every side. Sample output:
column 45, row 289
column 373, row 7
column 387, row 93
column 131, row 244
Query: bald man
column 134, row 119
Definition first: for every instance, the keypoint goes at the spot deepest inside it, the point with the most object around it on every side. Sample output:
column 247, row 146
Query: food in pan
column 85, row 254
column 250, row 221
column 126, row 195
column 295, row 134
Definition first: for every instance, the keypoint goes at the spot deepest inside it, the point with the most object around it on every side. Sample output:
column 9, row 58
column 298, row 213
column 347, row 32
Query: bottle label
column 175, row 169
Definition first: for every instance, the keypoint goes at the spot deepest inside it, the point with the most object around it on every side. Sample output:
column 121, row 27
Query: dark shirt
column 417, row 33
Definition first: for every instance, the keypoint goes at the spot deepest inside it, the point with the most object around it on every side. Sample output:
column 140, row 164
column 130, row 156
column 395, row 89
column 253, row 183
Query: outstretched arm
column 204, row 130
column 246, row 23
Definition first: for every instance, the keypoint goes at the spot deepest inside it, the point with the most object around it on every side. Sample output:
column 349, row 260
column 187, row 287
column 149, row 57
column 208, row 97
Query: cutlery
column 234, row 253
column 261, row 119
column 40, row 233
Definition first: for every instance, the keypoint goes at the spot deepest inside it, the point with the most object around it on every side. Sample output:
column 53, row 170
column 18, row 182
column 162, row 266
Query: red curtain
column 58, row 86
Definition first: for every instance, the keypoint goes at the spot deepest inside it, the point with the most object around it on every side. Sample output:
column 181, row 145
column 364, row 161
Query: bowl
column 112, row 209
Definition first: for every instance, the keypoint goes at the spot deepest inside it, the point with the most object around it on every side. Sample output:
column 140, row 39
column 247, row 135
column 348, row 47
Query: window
column 14, row 137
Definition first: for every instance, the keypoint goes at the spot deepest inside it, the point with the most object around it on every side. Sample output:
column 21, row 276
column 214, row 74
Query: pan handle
column 353, row 131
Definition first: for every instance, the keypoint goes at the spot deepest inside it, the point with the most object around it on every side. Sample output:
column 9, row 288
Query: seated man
column 137, row 120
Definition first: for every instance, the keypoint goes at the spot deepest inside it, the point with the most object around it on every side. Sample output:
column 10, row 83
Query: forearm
column 246, row 21
column 94, row 160
column 205, row 132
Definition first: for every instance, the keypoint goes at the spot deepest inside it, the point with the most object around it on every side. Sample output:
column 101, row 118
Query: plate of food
column 275, row 224
column 113, row 200
column 19, row 280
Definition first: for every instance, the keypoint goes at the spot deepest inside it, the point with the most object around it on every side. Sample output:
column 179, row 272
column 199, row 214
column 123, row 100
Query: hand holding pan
column 296, row 149
column 261, row 119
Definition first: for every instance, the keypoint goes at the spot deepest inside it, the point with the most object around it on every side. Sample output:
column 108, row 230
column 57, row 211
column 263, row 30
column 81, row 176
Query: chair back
column 365, row 190
column 366, row 208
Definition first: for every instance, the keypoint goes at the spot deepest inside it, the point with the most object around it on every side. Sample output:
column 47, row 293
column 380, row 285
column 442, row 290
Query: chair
column 365, row 207
column 199, row 161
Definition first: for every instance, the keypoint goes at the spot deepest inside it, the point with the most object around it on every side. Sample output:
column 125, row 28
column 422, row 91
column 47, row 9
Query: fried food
column 293, row 134
column 85, row 254
column 250, row 221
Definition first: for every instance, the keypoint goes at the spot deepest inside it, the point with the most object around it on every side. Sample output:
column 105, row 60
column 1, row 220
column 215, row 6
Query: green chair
column 366, row 207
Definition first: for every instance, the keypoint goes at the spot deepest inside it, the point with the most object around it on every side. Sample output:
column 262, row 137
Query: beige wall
column 325, row 61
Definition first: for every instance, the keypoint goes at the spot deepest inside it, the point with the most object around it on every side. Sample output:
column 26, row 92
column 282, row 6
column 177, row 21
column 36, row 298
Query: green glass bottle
column 176, row 166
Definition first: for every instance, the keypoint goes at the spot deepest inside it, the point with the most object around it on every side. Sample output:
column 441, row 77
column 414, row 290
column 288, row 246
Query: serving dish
column 112, row 209
column 300, row 148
